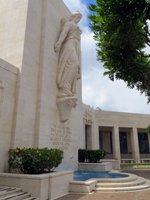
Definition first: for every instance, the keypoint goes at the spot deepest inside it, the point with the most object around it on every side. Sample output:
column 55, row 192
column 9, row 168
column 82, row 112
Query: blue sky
column 97, row 90
column 87, row 2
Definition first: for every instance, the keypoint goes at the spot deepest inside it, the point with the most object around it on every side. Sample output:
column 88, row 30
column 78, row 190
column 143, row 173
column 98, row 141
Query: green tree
column 121, row 29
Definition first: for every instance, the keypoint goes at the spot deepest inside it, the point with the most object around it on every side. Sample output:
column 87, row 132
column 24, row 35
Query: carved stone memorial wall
column 60, row 137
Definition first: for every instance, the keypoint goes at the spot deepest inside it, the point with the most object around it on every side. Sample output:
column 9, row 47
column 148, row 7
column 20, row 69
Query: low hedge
column 91, row 156
column 34, row 160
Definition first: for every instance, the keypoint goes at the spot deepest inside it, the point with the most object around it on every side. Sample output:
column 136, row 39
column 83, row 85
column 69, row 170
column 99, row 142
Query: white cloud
column 97, row 90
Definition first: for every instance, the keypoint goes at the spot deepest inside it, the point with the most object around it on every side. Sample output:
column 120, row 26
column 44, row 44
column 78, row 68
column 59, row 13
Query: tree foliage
column 121, row 29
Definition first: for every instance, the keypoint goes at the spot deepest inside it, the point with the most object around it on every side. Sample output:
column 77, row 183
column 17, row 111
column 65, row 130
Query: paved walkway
column 136, row 195
column 145, row 173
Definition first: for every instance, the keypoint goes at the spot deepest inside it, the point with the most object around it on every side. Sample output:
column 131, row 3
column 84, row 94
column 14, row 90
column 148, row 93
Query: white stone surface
column 104, row 166
column 115, row 163
column 82, row 186
column 59, row 184
column 8, row 80
column 12, row 30
column 43, row 186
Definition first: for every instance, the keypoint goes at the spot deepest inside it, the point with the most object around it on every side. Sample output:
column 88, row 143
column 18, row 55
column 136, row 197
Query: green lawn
column 135, row 166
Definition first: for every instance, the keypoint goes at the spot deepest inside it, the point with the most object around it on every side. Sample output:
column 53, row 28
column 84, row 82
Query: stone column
column 89, row 136
column 83, row 142
column 116, row 143
column 135, row 145
column 149, row 141
column 1, row 95
column 95, row 136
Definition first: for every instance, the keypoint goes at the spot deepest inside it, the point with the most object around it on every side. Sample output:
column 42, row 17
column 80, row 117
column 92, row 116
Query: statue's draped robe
column 69, row 60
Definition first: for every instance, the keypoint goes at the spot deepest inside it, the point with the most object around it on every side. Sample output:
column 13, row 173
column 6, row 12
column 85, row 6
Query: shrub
column 92, row 156
column 34, row 160
column 148, row 129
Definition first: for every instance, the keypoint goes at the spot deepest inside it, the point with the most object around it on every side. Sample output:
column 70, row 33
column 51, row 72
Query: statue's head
column 76, row 17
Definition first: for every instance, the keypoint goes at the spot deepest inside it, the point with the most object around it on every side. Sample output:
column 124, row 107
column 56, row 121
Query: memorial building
column 40, row 89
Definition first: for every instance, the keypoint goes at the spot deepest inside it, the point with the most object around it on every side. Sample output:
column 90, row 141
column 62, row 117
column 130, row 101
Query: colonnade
column 92, row 138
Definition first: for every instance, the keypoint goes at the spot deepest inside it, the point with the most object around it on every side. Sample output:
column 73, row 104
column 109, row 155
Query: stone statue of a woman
column 68, row 48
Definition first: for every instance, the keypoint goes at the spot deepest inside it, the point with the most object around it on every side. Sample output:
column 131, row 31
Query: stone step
column 131, row 178
column 124, row 188
column 133, row 182
column 27, row 198
column 2, row 188
column 136, row 182
column 17, row 195
column 11, row 193
column 21, row 196
column 139, row 184
column 31, row 198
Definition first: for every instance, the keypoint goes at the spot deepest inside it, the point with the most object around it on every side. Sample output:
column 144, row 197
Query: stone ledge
column 104, row 166
column 36, row 176
column 8, row 67
column 82, row 186
column 43, row 186
column 115, row 163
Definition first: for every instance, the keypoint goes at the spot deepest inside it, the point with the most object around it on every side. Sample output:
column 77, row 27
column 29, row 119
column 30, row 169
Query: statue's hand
column 57, row 47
